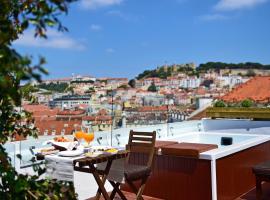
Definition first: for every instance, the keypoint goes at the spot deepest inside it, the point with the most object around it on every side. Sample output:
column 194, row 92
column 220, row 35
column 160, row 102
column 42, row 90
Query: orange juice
column 79, row 135
column 88, row 137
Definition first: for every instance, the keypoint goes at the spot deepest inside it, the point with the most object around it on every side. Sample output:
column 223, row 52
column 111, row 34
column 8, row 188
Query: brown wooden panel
column 176, row 178
column 234, row 172
column 161, row 143
column 187, row 149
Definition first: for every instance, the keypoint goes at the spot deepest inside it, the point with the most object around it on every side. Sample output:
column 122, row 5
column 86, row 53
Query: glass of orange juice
column 89, row 137
column 79, row 135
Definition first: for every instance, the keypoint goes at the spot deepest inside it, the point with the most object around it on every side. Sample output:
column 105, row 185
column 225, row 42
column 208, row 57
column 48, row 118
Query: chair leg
column 113, row 194
column 141, row 189
column 132, row 186
column 258, row 188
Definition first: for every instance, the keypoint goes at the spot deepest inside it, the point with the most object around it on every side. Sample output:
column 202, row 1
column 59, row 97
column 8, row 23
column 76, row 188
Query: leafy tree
column 90, row 90
column 152, row 87
column 207, row 83
column 132, row 83
column 247, row 103
column 220, row 104
column 70, row 88
column 161, row 73
column 15, row 17
column 146, row 73
column 27, row 90
column 55, row 87
column 124, row 86
column 82, row 81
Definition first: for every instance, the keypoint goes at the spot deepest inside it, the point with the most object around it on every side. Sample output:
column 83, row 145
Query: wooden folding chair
column 139, row 142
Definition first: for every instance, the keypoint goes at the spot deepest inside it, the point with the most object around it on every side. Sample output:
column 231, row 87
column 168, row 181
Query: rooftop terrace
column 86, row 187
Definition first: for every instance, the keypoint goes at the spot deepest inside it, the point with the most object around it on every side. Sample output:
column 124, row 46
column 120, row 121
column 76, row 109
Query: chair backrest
column 142, row 142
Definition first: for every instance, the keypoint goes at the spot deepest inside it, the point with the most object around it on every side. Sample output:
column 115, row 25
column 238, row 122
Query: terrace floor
column 129, row 196
column 251, row 195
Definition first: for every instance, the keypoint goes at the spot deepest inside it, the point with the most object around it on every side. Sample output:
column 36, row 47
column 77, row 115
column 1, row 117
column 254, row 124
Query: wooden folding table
column 87, row 164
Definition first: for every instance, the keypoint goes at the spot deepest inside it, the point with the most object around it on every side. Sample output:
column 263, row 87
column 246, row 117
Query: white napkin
column 67, row 145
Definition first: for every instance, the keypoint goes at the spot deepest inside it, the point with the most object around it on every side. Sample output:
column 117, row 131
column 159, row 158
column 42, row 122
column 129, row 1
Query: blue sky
column 121, row 38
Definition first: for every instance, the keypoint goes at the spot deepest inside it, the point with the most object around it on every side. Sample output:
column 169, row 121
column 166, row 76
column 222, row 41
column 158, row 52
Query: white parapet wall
column 223, row 124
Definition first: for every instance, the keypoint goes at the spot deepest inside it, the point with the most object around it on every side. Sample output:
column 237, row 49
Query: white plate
column 70, row 153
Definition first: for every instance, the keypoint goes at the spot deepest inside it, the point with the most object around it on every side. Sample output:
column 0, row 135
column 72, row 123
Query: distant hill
column 221, row 65
column 168, row 70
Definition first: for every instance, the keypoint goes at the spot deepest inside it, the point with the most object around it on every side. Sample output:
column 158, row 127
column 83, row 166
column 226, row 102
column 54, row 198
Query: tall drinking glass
column 89, row 136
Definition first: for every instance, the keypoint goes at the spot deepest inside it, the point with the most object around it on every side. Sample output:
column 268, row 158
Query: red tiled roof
column 104, row 118
column 201, row 91
column 71, row 112
column 81, row 106
column 102, row 112
column 99, row 119
column 89, row 118
column 57, row 126
column 256, row 89
column 45, row 119
column 40, row 110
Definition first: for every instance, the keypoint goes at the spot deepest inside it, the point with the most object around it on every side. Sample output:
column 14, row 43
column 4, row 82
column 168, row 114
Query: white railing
column 119, row 138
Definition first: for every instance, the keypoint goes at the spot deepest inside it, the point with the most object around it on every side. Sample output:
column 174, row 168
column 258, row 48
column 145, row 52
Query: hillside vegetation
column 166, row 71
column 55, row 87
column 220, row 65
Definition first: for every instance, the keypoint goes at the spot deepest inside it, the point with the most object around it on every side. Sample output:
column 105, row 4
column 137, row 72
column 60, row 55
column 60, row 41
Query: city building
column 146, row 115
column 70, row 101
column 102, row 121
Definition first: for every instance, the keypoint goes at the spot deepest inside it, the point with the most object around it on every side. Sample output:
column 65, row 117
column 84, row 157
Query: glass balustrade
column 115, row 137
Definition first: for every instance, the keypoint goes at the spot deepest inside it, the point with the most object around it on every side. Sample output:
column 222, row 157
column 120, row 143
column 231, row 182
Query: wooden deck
column 251, row 195
column 129, row 196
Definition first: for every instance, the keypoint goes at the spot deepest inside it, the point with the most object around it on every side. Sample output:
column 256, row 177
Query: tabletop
column 86, row 161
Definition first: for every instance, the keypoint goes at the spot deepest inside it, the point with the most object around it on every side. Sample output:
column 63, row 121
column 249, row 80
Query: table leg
column 258, row 188
column 102, row 180
column 117, row 190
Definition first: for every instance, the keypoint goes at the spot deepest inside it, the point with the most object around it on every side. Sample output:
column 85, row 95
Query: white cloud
column 110, row 50
column 213, row 17
column 55, row 40
column 95, row 27
column 94, row 4
column 228, row 5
